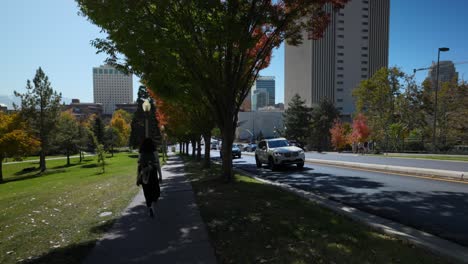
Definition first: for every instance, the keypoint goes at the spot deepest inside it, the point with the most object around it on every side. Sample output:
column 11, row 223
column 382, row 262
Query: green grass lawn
column 252, row 222
column 55, row 217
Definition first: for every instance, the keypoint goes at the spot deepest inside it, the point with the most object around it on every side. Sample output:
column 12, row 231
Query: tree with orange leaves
column 209, row 50
column 15, row 139
column 339, row 135
column 361, row 130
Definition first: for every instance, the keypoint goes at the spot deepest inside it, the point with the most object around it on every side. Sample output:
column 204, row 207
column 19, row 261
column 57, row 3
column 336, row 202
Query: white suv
column 275, row 152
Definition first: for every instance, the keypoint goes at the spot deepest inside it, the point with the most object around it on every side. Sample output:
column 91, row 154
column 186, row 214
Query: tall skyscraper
column 447, row 72
column 263, row 92
column 353, row 48
column 111, row 87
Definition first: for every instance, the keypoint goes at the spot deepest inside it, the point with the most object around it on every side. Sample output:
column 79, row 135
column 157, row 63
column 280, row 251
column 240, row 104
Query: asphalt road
column 437, row 207
column 405, row 162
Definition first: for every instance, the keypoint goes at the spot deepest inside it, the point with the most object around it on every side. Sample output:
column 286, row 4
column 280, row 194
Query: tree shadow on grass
column 89, row 166
column 26, row 176
column 26, row 171
column 133, row 156
column 284, row 228
column 442, row 213
column 74, row 253
column 21, row 178
column 66, row 166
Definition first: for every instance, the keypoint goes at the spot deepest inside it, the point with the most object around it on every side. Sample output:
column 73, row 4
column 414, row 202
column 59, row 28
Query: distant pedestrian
column 366, row 145
column 148, row 170
column 360, row 148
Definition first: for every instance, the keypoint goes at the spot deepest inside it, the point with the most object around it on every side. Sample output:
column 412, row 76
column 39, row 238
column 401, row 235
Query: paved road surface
column 405, row 162
column 437, row 207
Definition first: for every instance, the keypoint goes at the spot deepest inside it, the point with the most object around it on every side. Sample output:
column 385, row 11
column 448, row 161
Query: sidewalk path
column 58, row 158
column 177, row 234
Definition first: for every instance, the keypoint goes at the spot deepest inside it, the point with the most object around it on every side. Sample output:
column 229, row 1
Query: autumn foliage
column 338, row 135
column 121, row 122
column 160, row 105
column 361, row 130
column 15, row 140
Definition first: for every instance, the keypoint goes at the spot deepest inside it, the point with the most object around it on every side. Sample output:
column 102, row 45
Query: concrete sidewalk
column 177, row 234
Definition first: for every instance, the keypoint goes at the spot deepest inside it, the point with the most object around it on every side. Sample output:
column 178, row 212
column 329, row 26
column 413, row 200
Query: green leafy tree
column 218, row 46
column 67, row 135
column 321, row 122
column 376, row 98
column 296, row 120
column 452, row 106
column 100, row 153
column 40, row 106
column 397, row 134
column 15, row 139
column 98, row 130
column 83, row 139
column 456, row 116
column 111, row 137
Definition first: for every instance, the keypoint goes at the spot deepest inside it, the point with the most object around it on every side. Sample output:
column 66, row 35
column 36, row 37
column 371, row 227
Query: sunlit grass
column 252, row 222
column 54, row 217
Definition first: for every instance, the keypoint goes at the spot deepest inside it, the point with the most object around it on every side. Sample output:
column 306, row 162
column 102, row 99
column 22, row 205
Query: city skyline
column 417, row 29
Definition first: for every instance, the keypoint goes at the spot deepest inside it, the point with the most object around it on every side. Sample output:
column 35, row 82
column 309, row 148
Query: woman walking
column 148, row 170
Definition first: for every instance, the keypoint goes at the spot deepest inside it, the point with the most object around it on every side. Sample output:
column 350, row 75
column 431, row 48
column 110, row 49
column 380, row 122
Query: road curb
column 446, row 174
column 419, row 238
column 458, row 175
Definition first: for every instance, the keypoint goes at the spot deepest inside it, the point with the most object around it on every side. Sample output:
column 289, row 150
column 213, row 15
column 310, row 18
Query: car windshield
column 278, row 143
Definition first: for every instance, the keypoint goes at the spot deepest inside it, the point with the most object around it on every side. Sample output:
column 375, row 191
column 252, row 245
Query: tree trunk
column 199, row 149
column 42, row 162
column 68, row 157
column 80, row 152
column 207, row 139
column 186, row 144
column 1, row 169
column 194, row 147
column 180, row 147
column 228, row 138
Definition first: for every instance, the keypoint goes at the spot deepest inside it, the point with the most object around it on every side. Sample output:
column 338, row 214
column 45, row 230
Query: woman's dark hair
column 147, row 145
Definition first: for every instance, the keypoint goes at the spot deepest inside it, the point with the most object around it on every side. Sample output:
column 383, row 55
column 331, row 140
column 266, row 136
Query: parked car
column 240, row 146
column 276, row 152
column 250, row 147
column 214, row 145
column 236, row 152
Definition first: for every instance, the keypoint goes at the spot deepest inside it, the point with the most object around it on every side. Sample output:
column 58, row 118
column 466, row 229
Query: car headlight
column 301, row 152
column 277, row 154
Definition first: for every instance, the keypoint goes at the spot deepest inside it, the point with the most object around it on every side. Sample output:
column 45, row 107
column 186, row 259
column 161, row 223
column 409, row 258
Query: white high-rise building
column 111, row 87
column 353, row 48
column 263, row 92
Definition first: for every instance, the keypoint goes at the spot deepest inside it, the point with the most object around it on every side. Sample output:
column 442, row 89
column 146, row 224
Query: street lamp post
column 146, row 108
column 435, row 100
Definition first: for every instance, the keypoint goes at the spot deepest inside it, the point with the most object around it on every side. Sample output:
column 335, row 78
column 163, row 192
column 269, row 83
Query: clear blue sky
column 50, row 34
